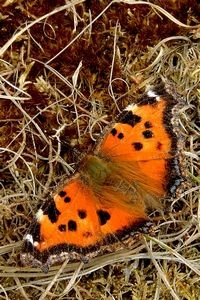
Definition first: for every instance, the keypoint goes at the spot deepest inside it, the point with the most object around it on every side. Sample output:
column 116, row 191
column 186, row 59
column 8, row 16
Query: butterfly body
column 132, row 168
column 95, row 170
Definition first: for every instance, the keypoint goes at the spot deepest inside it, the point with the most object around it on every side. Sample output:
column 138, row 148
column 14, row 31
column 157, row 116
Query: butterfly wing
column 74, row 224
column 144, row 138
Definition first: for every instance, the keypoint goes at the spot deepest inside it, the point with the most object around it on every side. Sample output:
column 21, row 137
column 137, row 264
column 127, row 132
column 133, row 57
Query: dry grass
column 65, row 72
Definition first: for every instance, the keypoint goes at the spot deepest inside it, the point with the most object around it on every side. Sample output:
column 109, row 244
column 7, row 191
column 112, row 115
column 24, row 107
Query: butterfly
column 134, row 165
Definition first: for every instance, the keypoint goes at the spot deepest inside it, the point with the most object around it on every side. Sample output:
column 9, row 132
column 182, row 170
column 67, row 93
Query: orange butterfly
column 133, row 166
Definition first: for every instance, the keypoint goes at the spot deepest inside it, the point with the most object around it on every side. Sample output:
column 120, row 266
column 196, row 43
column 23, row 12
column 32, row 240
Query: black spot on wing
column 148, row 125
column 127, row 117
column 62, row 227
column 120, row 136
column 62, row 194
column 82, row 214
column 67, row 199
column 114, row 131
column 104, row 216
column 137, row 146
column 147, row 134
column 50, row 209
column 72, row 225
